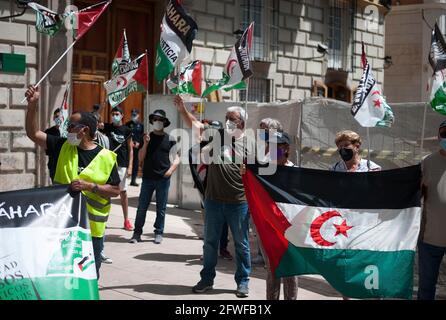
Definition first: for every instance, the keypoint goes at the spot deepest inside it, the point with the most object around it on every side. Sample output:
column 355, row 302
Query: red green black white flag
column 359, row 231
column 188, row 81
column 82, row 20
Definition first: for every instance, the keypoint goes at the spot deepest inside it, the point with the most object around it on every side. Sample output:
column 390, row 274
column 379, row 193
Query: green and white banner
column 46, row 250
column 178, row 31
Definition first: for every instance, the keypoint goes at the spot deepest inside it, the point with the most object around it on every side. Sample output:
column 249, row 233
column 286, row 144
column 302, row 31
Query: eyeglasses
column 74, row 125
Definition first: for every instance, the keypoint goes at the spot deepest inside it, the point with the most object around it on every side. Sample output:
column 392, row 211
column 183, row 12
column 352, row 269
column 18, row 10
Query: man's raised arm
column 32, row 130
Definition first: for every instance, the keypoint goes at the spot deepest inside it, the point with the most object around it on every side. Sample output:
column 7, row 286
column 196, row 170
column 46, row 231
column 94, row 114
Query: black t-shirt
column 157, row 162
column 137, row 131
column 54, row 145
column 54, row 131
column 118, row 135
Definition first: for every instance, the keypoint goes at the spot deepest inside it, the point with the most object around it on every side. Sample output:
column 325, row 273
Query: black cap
column 216, row 124
column 159, row 113
column 117, row 108
column 281, row 138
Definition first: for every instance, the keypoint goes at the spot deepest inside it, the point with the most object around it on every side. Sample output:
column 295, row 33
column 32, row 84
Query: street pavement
column 168, row 271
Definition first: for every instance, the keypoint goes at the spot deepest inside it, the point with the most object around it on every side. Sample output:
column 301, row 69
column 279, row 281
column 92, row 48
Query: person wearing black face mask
column 349, row 143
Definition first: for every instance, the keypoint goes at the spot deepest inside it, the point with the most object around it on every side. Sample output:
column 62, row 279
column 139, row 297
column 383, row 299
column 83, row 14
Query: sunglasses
column 74, row 125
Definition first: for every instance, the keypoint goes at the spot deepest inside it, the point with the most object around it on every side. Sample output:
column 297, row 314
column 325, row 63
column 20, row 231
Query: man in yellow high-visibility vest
column 78, row 161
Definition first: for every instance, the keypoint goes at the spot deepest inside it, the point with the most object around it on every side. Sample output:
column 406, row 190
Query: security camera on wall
column 322, row 48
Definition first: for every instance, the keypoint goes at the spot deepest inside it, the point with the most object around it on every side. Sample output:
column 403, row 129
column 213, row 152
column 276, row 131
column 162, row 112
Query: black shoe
column 201, row 287
column 135, row 240
column 133, row 183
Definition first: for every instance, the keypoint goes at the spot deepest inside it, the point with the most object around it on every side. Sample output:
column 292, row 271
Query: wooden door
column 94, row 53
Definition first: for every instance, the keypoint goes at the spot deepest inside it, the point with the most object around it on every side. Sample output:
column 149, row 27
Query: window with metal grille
column 264, row 13
column 259, row 90
column 340, row 34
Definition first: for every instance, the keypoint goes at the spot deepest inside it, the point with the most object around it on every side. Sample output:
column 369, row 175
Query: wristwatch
column 95, row 188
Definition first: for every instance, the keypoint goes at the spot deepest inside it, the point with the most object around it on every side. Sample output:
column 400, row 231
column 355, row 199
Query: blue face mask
column 264, row 135
column 443, row 144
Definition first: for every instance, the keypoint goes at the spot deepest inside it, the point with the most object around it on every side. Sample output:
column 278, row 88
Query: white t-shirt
column 340, row 166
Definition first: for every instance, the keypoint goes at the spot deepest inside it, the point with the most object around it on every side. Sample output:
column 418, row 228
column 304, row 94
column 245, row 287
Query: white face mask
column 116, row 119
column 73, row 139
column 230, row 126
column 158, row 125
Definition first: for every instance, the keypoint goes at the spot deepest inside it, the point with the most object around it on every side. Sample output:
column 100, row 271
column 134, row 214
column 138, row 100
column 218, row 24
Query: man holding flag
column 87, row 167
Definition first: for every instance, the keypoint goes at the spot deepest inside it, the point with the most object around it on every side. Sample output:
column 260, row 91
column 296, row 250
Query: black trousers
column 135, row 165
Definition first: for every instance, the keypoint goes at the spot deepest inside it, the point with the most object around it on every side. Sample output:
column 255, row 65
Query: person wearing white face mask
column 158, row 167
column 432, row 239
column 225, row 199
column 120, row 137
column 54, row 131
column 86, row 166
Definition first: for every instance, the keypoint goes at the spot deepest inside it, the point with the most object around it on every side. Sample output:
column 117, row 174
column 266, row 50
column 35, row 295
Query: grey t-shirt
column 224, row 181
column 433, row 229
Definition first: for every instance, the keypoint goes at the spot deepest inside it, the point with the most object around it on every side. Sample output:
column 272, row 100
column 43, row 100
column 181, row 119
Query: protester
column 121, row 142
column 349, row 143
column 225, row 199
column 81, row 163
column 58, row 120
column 157, row 170
column 200, row 170
column 265, row 125
column 432, row 239
column 137, row 133
column 54, row 131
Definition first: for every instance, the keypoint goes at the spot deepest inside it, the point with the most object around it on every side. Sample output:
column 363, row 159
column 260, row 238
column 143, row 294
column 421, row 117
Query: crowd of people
column 96, row 159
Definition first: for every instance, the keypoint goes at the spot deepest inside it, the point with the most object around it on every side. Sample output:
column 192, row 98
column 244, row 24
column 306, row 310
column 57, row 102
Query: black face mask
column 346, row 154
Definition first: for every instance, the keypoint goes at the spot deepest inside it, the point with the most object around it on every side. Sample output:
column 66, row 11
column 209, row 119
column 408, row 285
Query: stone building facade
column 287, row 62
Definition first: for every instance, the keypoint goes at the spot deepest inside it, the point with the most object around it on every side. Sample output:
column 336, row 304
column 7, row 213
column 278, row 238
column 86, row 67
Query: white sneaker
column 158, row 238
column 105, row 259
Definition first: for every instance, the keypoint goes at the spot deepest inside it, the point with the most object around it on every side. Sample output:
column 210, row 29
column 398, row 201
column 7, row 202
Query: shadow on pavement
column 166, row 289
column 166, row 257
column 318, row 286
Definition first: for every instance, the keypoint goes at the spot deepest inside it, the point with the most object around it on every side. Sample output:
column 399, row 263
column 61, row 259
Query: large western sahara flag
column 133, row 77
column 358, row 230
column 178, row 31
column 46, row 252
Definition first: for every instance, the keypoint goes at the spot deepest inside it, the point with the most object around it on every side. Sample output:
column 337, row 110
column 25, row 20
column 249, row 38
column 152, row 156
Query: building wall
column 302, row 25
column 17, row 152
column 408, row 41
column 22, row 164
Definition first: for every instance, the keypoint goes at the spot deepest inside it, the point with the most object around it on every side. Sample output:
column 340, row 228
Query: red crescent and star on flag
column 316, row 225
column 121, row 82
column 377, row 102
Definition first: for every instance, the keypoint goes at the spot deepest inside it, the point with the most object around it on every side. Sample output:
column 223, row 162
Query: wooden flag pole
column 53, row 66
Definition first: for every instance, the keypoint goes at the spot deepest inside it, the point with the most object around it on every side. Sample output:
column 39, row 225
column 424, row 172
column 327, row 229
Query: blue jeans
column 161, row 189
column 98, row 246
column 429, row 260
column 237, row 217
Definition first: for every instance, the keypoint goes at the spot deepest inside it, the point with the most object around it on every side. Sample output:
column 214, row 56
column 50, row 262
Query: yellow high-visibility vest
column 98, row 171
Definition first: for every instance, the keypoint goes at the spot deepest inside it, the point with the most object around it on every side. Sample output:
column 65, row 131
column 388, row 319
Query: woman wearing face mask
column 349, row 143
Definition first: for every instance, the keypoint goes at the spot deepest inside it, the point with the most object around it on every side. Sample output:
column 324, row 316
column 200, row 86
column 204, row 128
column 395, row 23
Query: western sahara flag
column 47, row 21
column 369, row 107
column 189, row 80
column 82, row 20
column 133, row 77
column 437, row 59
column 178, row 31
column 46, row 251
column 238, row 66
column 122, row 55
column 359, row 231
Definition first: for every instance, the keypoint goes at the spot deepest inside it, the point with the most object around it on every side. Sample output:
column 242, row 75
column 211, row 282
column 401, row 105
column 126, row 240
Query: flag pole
column 368, row 146
column 53, row 66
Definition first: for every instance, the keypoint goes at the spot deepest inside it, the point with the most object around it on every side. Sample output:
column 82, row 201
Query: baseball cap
column 281, row 138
